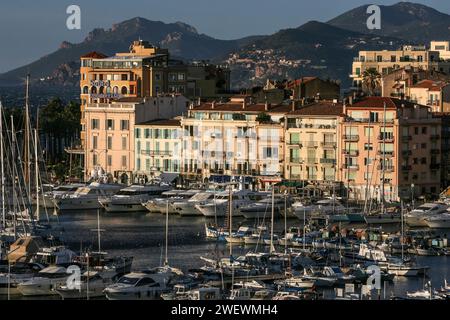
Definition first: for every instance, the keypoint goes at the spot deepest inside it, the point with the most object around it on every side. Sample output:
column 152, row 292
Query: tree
column 371, row 80
column 263, row 117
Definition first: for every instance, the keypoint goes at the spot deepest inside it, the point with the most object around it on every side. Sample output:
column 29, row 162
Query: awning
column 168, row 177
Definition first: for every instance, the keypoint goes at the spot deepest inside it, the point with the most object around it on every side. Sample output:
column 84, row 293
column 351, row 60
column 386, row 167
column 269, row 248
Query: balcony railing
column 386, row 153
column 386, row 168
column 386, row 138
column 327, row 144
column 352, row 153
column 311, row 160
column 327, row 161
column 311, row 144
column 351, row 166
column 156, row 153
column 295, row 160
column 348, row 137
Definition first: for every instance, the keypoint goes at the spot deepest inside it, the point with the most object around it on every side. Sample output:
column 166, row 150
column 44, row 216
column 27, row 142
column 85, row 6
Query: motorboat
column 87, row 197
column 439, row 221
column 143, row 285
column 263, row 208
column 91, row 285
column 159, row 204
column 12, row 275
column 44, row 282
column 417, row 216
column 325, row 206
column 187, row 207
column 131, row 199
column 218, row 206
column 46, row 199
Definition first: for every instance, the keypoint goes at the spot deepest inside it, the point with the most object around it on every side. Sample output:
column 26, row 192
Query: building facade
column 390, row 149
column 110, row 128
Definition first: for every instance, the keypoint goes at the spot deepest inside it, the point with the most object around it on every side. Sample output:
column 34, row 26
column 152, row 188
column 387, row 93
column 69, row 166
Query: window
column 423, row 145
column 146, row 133
column 138, row 164
column 416, row 130
column 124, row 77
column 95, row 124
column 109, row 142
column 124, row 143
column 110, row 124
column 423, row 160
column 368, row 146
column 368, row 131
column 373, row 117
column 124, row 90
column 270, row 152
column 94, row 142
column 124, row 161
column 109, row 160
column 424, row 130
column 94, row 159
column 358, row 71
column 157, row 76
column 124, row 125
column 181, row 77
column 138, row 133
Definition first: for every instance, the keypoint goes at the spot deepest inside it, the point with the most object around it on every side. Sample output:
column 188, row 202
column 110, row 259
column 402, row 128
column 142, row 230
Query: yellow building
column 313, row 142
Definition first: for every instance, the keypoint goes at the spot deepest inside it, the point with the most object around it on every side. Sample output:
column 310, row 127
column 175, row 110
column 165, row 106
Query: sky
column 30, row 29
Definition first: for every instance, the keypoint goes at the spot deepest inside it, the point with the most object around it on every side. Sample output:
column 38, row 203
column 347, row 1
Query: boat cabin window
column 128, row 280
column 146, row 282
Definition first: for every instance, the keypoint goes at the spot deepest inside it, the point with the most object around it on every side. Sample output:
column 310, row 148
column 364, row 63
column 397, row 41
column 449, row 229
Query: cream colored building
column 312, row 140
column 231, row 139
column 443, row 47
column 432, row 93
column 385, row 61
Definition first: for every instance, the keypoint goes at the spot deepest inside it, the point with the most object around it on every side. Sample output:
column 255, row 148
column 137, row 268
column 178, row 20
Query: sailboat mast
column 98, row 231
column 402, row 238
column 384, row 158
column 366, row 196
column 2, row 167
column 27, row 163
column 166, row 260
column 36, row 164
column 230, row 213
column 271, row 223
column 13, row 157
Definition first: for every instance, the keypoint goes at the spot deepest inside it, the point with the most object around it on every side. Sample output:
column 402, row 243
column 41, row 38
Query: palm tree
column 371, row 80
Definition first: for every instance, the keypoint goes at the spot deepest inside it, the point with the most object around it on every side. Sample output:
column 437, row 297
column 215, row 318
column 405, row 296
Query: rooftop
column 241, row 107
column 432, row 85
column 95, row 55
column 320, row 109
column 378, row 102
column 161, row 122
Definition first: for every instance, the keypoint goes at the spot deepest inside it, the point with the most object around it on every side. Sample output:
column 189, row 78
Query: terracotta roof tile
column 161, row 122
column 319, row 109
column 94, row 55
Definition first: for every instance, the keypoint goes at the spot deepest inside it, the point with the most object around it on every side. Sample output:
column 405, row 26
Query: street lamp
column 412, row 195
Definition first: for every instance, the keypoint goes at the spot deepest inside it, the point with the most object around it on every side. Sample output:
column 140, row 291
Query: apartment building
column 145, row 71
column 236, row 138
column 157, row 147
column 390, row 149
column 432, row 93
column 110, row 128
column 312, row 143
column 385, row 61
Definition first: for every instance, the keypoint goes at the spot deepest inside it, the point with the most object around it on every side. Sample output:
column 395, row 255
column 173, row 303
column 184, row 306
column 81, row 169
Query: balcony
column 351, row 166
column 153, row 153
column 295, row 144
column 352, row 153
column 434, row 137
column 406, row 168
column 387, row 154
column 311, row 160
column 386, row 169
column 348, row 137
column 327, row 161
column 386, row 138
column 311, row 144
column 295, row 160
column 406, row 138
column 295, row 177
column 327, row 144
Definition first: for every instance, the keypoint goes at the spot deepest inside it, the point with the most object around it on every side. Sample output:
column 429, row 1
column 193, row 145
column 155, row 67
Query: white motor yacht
column 159, row 204
column 416, row 217
column 439, row 221
column 44, row 282
column 325, row 206
column 218, row 206
column 87, row 197
column 130, row 199
column 187, row 207
column 263, row 208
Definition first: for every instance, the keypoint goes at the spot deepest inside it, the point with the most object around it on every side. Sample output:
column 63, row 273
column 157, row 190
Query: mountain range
column 314, row 48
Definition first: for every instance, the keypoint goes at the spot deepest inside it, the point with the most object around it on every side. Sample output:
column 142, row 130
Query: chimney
column 199, row 101
column 213, row 104
column 350, row 100
column 293, row 105
column 244, row 104
column 266, row 106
